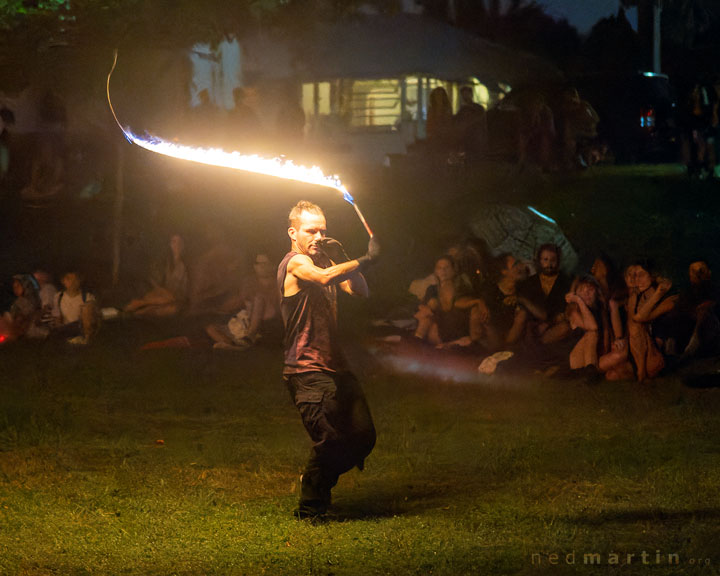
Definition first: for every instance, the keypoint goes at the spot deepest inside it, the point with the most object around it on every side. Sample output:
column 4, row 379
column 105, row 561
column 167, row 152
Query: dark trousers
column 336, row 415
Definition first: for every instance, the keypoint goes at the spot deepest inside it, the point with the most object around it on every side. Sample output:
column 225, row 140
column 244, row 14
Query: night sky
column 583, row 14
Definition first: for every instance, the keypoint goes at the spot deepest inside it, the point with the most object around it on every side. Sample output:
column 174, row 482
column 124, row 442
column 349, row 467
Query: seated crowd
column 241, row 305
column 40, row 310
column 596, row 324
column 599, row 323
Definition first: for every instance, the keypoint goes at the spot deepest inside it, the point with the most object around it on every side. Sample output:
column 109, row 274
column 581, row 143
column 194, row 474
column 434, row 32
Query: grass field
column 116, row 461
column 186, row 461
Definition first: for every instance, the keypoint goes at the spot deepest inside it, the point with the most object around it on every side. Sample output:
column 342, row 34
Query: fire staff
column 328, row 396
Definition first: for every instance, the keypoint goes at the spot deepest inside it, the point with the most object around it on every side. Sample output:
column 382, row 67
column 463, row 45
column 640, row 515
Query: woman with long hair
column 170, row 289
column 588, row 318
column 647, row 302
column 444, row 314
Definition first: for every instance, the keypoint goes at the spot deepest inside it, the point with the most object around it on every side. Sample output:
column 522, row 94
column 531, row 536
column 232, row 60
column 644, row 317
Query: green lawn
column 116, row 461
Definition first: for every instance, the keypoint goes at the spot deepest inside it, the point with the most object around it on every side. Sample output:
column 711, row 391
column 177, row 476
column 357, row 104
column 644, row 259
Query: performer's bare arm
column 346, row 274
column 355, row 285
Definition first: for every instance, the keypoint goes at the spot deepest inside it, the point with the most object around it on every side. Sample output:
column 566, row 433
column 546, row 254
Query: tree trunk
column 118, row 210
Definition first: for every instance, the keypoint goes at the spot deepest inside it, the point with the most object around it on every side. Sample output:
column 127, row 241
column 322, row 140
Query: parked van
column 638, row 114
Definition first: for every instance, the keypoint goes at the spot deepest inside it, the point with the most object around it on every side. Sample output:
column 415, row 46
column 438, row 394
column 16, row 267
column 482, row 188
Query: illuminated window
column 323, row 98
column 380, row 104
column 316, row 99
column 308, row 99
column 418, row 91
column 371, row 103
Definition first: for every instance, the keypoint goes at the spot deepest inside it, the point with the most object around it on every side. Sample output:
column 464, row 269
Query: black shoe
column 590, row 375
column 305, row 512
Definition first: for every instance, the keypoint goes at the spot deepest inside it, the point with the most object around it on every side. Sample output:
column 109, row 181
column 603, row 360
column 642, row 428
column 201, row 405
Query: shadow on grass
column 645, row 514
column 711, row 380
column 389, row 502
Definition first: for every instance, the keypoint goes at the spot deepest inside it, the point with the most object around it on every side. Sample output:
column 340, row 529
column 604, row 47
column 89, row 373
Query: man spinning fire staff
column 328, row 396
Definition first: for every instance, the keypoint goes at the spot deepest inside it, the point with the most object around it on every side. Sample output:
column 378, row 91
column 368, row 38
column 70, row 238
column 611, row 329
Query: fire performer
column 328, row 396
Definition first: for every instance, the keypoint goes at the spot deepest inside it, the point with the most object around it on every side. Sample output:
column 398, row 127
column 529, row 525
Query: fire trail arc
column 278, row 167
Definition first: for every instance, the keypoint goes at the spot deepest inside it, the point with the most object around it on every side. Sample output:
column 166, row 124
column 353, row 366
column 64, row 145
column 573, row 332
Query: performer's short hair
column 299, row 208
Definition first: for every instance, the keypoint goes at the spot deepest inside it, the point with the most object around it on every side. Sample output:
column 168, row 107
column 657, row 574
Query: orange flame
column 278, row 166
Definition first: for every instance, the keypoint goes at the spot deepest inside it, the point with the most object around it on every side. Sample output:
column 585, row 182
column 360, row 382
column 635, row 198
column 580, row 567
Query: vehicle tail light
column 647, row 118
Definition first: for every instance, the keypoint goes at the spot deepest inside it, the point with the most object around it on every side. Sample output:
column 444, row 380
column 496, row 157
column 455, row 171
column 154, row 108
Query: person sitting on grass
column 695, row 318
column 46, row 292
column 169, row 290
column 23, row 317
column 260, row 316
column 587, row 316
column 501, row 318
column 608, row 277
column 469, row 255
column 444, row 314
column 543, row 296
column 615, row 363
column 75, row 311
column 215, row 281
column 647, row 302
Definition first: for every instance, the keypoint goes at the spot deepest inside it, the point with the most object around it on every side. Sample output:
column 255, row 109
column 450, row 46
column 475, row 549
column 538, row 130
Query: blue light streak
column 543, row 216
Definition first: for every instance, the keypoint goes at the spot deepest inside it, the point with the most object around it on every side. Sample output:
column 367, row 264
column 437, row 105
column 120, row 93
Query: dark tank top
column 310, row 319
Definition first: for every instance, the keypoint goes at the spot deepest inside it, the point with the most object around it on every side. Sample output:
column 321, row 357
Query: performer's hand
column 333, row 250
column 373, row 252
column 373, row 248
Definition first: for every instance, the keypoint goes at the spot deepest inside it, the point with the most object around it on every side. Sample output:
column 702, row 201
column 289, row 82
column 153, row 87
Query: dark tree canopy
column 690, row 34
column 519, row 24
column 114, row 22
column 683, row 21
column 612, row 45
